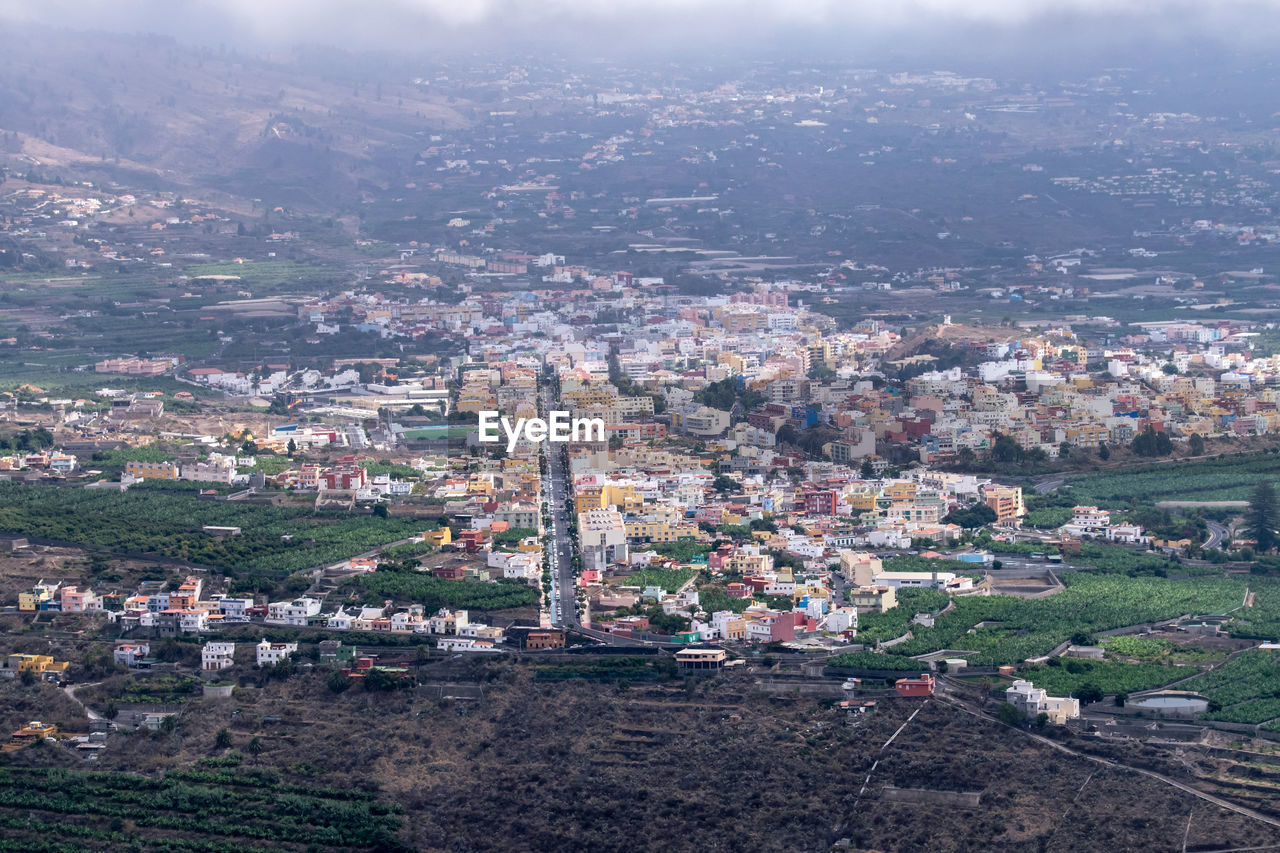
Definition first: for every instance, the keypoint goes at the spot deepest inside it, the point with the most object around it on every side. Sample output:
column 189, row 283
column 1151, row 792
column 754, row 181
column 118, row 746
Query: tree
column 380, row 511
column 1196, row 444
column 1121, row 698
column 1088, row 694
column 867, row 472
column 223, row 740
column 338, row 682
column 1042, row 719
column 1008, row 714
column 255, row 747
column 249, row 448
column 724, row 484
column 1261, row 520
column 1104, row 452
column 291, row 448
column 978, row 515
column 1152, row 443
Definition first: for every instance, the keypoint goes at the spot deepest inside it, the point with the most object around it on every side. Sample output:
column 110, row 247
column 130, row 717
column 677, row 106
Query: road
column 564, row 605
column 1218, row 534
column 1049, row 484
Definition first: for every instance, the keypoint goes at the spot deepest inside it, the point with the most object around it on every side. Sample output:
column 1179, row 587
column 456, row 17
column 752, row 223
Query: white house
column 294, row 612
column 214, row 656
column 273, row 653
column 1032, row 701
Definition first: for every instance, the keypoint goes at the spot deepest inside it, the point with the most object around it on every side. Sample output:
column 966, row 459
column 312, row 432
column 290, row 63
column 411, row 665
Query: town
column 541, row 453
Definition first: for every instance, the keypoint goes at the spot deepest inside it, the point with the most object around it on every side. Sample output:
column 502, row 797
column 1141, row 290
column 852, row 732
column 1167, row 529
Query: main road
column 563, row 602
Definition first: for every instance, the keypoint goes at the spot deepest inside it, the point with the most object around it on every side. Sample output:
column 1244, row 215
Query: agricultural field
column 434, row 593
column 48, row 810
column 875, row 660
column 873, row 627
column 276, row 540
column 1245, row 689
column 265, row 277
column 1225, row 479
column 1108, row 676
column 669, row 579
column 1129, row 647
column 1023, row 628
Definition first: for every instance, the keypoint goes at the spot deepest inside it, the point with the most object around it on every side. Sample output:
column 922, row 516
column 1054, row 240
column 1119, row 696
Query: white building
column 295, row 612
column 1031, row 701
column 272, row 653
column 214, row 656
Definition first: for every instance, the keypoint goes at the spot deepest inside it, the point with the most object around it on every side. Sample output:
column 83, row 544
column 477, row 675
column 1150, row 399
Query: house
column 215, row 656
column 75, row 601
column 536, row 640
column 151, row 470
column 700, row 660
column 295, row 612
column 42, row 667
column 1031, row 701
column 465, row 644
column 235, row 609
column 873, row 599
column 131, row 654
column 915, row 687
column 269, row 654
column 41, row 593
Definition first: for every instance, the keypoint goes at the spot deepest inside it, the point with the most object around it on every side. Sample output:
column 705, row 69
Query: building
column 269, row 654
column 873, row 599
column 76, row 601
column 40, row 594
column 295, row 612
column 151, row 470
column 1031, row 701
column 859, row 567
column 820, row 503
column 215, row 656
column 700, row 660
column 603, row 536
column 42, row 667
column 915, row 687
column 209, row 472
column 1005, row 502
column 131, row 654
column 536, row 640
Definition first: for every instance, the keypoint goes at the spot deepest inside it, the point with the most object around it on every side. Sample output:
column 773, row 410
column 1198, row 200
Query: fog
column 1062, row 30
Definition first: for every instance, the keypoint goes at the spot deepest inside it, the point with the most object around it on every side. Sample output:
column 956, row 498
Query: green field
column 434, row 593
column 669, row 579
column 1108, row 676
column 150, row 521
column 1247, row 688
column 227, row 811
column 436, row 432
column 1228, row 479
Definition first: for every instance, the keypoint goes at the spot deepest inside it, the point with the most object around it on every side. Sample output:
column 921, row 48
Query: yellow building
column 873, row 599
column 660, row 532
column 1006, row 503
column 152, row 470
column 41, row 666
column 443, row 536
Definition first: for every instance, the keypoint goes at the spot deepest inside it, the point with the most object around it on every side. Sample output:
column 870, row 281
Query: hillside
column 683, row 766
column 302, row 130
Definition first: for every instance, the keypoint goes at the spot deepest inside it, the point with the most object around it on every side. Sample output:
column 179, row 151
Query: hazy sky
column 626, row 26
